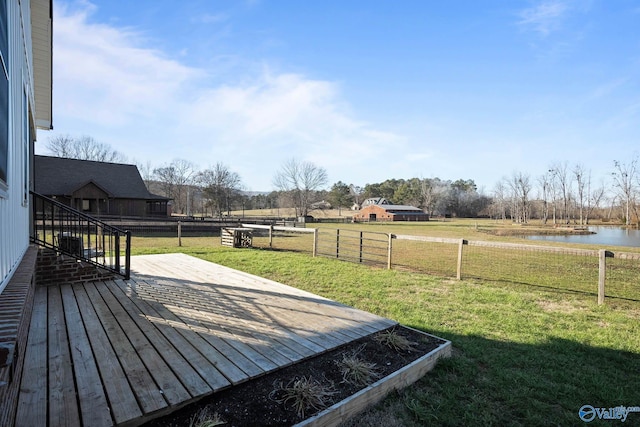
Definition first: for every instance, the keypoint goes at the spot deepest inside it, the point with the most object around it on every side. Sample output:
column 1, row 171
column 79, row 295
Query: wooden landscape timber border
column 601, row 254
column 367, row 397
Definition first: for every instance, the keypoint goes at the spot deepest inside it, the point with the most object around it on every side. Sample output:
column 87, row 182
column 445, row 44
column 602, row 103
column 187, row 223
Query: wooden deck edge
column 16, row 303
column 351, row 406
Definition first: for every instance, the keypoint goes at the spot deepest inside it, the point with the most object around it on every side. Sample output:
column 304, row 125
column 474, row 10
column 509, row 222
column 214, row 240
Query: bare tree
column 220, row 186
column 433, row 193
column 175, row 180
column 546, row 191
column 594, row 198
column 521, row 187
column 625, row 177
column 583, row 183
column 499, row 200
column 562, row 183
column 84, row 148
column 146, row 171
column 301, row 180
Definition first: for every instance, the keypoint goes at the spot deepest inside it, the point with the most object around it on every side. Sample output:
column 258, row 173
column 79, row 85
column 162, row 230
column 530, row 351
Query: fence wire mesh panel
column 282, row 238
column 623, row 276
column 559, row 269
column 364, row 247
column 553, row 268
column 435, row 256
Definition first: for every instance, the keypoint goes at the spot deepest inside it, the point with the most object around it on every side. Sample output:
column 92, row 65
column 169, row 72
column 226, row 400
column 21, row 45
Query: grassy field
column 523, row 355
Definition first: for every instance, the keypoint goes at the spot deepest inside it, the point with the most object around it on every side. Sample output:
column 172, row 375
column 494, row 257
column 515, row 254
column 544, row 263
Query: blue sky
column 369, row 90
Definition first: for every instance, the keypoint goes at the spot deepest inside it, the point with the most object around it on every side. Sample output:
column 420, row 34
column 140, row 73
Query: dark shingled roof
column 60, row 176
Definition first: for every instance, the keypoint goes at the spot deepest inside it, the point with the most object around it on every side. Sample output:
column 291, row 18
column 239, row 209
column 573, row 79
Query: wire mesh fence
column 282, row 238
column 555, row 268
column 425, row 254
column 623, row 276
column 355, row 246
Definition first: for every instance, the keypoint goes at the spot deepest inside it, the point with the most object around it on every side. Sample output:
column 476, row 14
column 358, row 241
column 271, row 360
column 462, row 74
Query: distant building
column 375, row 201
column 97, row 188
column 379, row 209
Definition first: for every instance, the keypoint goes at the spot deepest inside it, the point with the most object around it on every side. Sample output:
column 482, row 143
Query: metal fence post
column 361, row 246
column 459, row 266
column 389, row 251
column 179, row 233
column 127, row 257
column 117, row 250
column 338, row 243
column 602, row 274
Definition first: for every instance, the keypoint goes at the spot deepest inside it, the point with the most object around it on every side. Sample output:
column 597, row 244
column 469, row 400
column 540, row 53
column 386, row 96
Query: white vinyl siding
column 4, row 99
column 14, row 210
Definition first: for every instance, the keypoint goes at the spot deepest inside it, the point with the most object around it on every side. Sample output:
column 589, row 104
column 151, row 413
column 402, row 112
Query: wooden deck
column 122, row 353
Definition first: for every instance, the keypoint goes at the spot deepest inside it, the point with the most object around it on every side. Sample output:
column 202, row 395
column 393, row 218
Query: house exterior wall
column 128, row 207
column 14, row 198
column 90, row 191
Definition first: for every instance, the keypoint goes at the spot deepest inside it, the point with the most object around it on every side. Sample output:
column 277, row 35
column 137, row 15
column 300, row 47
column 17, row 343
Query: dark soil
column 254, row 403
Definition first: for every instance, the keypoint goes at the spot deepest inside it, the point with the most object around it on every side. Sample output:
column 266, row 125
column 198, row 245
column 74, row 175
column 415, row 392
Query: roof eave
column 42, row 50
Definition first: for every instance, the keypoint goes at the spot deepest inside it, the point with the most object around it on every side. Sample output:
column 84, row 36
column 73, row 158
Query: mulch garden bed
column 262, row 401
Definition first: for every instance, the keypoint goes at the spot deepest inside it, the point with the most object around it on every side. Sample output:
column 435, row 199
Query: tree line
column 560, row 194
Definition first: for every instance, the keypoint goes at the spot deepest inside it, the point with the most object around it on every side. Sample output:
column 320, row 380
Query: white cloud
column 109, row 84
column 104, row 74
column 213, row 18
column 544, row 18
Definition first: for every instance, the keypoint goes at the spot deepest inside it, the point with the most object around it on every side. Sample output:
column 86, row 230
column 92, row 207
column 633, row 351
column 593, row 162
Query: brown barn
column 379, row 209
column 97, row 188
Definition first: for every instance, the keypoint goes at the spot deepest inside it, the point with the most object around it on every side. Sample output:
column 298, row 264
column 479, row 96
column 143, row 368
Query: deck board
column 63, row 407
column 148, row 393
column 234, row 364
column 94, row 408
column 32, row 402
column 123, row 352
column 122, row 400
column 194, row 383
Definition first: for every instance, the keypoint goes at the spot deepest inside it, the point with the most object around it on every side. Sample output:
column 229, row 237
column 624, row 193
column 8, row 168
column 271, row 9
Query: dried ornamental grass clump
column 302, row 394
column 394, row 340
column 357, row 371
column 205, row 418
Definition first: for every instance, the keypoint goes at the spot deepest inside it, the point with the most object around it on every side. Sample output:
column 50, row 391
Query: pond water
column 606, row 236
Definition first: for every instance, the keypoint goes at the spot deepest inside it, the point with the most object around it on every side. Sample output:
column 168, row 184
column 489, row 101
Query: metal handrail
column 71, row 232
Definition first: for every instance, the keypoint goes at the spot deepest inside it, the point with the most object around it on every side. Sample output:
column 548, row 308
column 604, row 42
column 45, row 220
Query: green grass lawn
column 523, row 355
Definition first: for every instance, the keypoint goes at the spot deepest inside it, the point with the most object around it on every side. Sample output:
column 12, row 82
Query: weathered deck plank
column 122, row 352
column 234, row 364
column 32, row 403
column 148, row 393
column 169, row 384
column 194, row 354
column 122, row 400
column 94, row 408
column 191, row 380
column 63, row 406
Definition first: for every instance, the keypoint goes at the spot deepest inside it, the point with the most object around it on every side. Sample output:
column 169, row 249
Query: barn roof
column 60, row 176
column 399, row 209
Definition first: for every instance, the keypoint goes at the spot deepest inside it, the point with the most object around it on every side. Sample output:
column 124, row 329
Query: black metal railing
column 74, row 233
